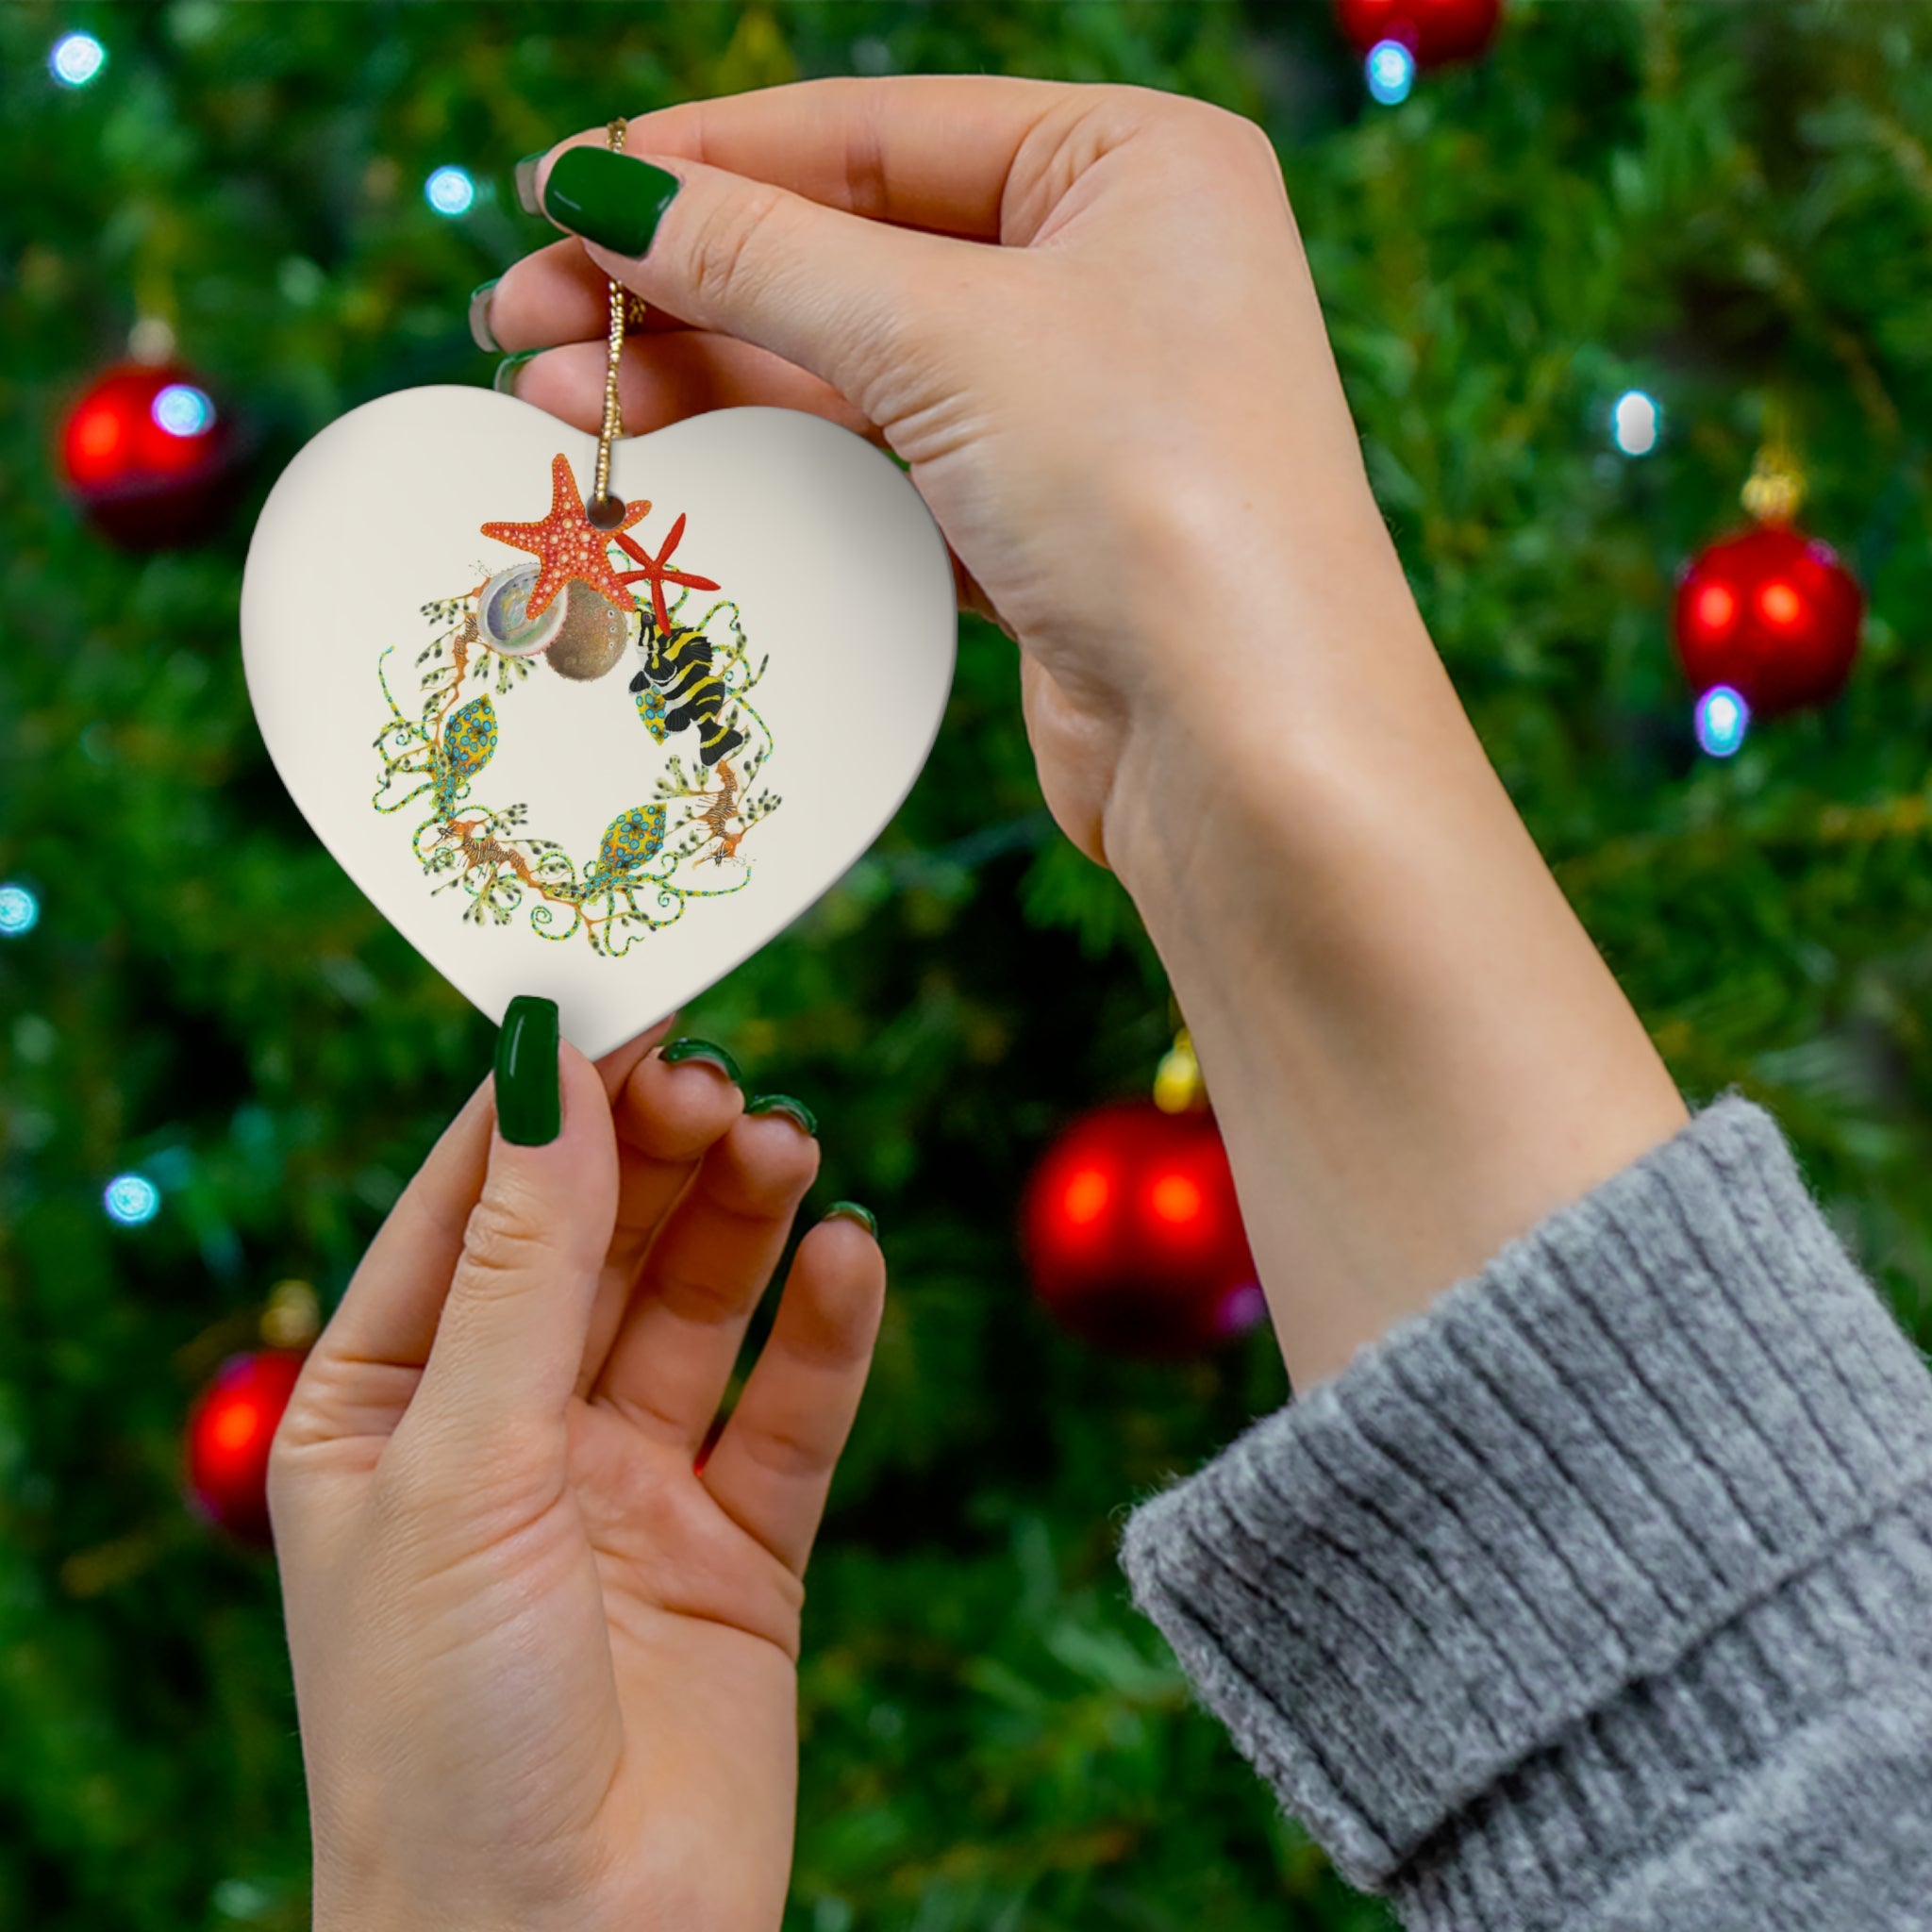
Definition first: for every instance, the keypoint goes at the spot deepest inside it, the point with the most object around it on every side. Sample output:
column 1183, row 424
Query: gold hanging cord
column 603, row 509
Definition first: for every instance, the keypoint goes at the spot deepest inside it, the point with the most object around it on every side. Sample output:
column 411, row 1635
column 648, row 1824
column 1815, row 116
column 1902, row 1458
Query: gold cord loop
column 624, row 306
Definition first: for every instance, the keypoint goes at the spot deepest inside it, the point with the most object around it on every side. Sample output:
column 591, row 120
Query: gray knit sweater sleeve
column 1599, row 1595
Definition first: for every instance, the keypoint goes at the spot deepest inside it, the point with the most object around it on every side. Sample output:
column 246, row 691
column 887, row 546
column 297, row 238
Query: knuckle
column 703, row 1298
column 724, row 252
column 501, row 1249
column 1249, row 140
column 1230, row 138
column 786, row 1450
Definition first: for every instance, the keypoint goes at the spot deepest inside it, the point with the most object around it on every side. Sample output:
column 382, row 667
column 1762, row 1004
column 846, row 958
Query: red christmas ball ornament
column 149, row 458
column 1133, row 1236
column 230, row 1431
column 1434, row 31
column 1774, row 615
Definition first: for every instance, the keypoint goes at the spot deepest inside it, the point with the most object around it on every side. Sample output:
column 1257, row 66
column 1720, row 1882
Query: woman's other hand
column 544, row 1667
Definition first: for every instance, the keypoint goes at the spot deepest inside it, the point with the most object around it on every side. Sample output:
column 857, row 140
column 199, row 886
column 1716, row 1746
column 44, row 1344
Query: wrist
column 1414, row 1050
column 1298, row 674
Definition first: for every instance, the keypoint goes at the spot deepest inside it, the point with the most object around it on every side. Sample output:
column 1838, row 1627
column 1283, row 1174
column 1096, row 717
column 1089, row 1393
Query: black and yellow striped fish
column 677, row 670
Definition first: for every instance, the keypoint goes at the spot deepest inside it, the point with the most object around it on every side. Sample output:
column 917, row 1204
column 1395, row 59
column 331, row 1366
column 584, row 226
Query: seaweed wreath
column 571, row 606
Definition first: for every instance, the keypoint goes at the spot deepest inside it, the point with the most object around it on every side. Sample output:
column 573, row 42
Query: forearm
column 1413, row 1048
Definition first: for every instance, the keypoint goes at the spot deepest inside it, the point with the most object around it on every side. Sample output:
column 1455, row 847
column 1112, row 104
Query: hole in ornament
column 606, row 511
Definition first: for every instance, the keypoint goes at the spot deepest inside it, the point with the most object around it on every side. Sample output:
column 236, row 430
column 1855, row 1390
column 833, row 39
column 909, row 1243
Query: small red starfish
column 568, row 544
column 658, row 570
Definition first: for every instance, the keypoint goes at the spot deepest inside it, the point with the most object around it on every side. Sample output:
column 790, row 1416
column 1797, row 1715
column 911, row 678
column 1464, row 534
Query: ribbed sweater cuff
column 1537, row 1519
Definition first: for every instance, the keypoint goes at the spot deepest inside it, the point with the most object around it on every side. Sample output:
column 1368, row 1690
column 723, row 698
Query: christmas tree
column 218, row 1065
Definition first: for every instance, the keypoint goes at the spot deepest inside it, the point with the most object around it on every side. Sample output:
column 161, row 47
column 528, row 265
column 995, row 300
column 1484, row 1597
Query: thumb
column 509, row 1343
column 842, row 296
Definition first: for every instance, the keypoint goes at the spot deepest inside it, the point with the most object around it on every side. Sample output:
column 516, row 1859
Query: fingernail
column 480, row 331
column 529, row 1097
column 505, row 382
column 703, row 1050
column 783, row 1103
column 526, row 183
column 851, row 1211
column 609, row 198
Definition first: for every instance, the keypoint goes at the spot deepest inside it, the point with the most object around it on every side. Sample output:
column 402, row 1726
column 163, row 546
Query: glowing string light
column 76, row 59
column 450, row 191
column 131, row 1199
column 182, row 409
column 1635, row 422
column 1723, row 719
column 1390, row 72
column 20, row 911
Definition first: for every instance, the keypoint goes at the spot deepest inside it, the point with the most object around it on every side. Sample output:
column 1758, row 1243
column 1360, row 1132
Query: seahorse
column 678, row 687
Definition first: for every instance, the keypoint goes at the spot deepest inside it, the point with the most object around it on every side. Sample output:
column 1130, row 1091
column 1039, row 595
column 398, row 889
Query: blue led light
column 450, row 191
column 1391, row 71
column 20, row 911
column 131, row 1199
column 182, row 409
column 1723, row 719
column 1635, row 422
column 75, row 59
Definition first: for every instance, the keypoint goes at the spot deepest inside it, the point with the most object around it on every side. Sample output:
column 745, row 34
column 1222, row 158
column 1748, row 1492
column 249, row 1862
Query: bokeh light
column 1175, row 1199
column 20, row 911
column 1635, row 422
column 76, row 59
column 1716, row 606
column 1087, row 1194
column 1723, row 719
column 1391, row 71
column 182, row 409
column 131, row 1199
column 450, row 191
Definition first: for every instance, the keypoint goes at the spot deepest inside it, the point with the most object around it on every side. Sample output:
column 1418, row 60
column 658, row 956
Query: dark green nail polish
column 851, row 1211
column 793, row 1110
column 505, row 382
column 480, row 331
column 526, row 183
column 609, row 198
column 529, row 1097
column 703, row 1050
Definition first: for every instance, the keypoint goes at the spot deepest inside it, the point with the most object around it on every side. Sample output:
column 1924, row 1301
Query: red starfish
column 658, row 569
column 568, row 544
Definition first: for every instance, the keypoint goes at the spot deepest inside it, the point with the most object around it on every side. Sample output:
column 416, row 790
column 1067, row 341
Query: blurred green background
column 1717, row 204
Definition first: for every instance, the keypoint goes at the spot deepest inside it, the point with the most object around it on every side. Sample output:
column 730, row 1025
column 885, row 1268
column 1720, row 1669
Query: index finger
column 917, row 150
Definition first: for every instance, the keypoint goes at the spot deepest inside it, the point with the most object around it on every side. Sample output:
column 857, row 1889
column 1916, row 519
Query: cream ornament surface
column 603, row 766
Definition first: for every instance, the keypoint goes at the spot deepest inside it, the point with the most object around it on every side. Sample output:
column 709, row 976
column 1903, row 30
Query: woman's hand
column 545, row 1671
column 1083, row 317
column 1129, row 397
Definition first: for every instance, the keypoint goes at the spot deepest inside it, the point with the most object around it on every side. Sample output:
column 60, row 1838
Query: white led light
column 1391, row 71
column 75, row 59
column 20, row 911
column 182, row 409
column 450, row 191
column 131, row 1199
column 1635, row 422
column 1723, row 719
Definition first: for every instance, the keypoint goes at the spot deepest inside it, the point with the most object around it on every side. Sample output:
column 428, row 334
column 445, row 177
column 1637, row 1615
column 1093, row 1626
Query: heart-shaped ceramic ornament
column 604, row 765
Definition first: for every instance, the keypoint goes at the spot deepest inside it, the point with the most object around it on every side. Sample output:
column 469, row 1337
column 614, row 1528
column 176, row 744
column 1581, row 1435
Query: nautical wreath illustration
column 574, row 608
